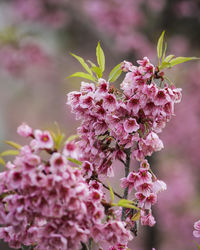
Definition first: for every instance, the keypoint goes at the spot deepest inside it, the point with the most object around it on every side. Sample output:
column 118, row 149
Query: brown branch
column 115, row 193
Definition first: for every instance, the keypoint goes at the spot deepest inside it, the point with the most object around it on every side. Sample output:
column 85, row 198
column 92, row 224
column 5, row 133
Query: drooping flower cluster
column 115, row 120
column 147, row 187
column 47, row 203
column 118, row 123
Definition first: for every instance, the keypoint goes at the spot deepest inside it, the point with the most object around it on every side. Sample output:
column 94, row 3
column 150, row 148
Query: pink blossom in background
column 187, row 145
column 186, row 8
column 196, row 232
column 17, row 60
column 176, row 205
column 46, row 11
column 179, row 44
column 156, row 5
column 24, row 130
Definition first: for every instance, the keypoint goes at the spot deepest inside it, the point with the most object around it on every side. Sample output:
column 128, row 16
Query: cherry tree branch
column 84, row 246
column 127, row 168
column 115, row 193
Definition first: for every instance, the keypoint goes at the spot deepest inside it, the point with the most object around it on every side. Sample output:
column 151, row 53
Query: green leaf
column 168, row 58
column 58, row 136
column 72, row 137
column 92, row 64
column 198, row 245
column 127, row 204
column 179, row 60
column 59, row 140
column 2, row 162
column 13, row 144
column 136, row 216
column 165, row 65
column 111, row 192
column 163, row 57
column 77, row 162
column 83, row 63
column 115, row 73
column 97, row 71
column 160, row 45
column 125, row 201
column 9, row 152
column 100, row 57
column 83, row 75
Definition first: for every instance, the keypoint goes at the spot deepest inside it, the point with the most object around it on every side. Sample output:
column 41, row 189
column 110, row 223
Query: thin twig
column 84, row 246
column 115, row 193
column 90, row 244
column 122, row 161
column 127, row 168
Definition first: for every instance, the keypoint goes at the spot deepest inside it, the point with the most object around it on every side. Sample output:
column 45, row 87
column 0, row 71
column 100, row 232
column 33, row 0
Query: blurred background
column 36, row 37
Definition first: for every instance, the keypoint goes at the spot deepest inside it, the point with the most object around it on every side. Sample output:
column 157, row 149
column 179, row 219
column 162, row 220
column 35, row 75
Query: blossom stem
column 127, row 168
column 90, row 244
column 115, row 193
column 84, row 246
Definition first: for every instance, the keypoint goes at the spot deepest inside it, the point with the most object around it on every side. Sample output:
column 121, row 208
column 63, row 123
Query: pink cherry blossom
column 24, row 130
column 147, row 219
column 109, row 102
column 131, row 125
column 196, row 232
column 43, row 139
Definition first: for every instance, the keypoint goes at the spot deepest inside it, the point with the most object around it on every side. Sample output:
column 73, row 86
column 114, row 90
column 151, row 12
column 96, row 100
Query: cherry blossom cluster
column 126, row 121
column 47, row 203
column 115, row 120
column 147, row 187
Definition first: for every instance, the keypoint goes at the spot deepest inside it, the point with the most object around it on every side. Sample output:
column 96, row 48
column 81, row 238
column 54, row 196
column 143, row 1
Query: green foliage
column 83, row 63
column 164, row 52
column 100, row 57
column 93, row 69
column 2, row 162
column 97, row 71
column 160, row 46
column 83, row 75
column 198, row 245
column 13, row 144
column 126, row 203
column 111, row 192
column 91, row 63
column 57, row 136
column 179, row 60
column 9, row 36
column 170, row 60
column 115, row 73
column 9, row 152
column 136, row 216
column 72, row 138
column 77, row 162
